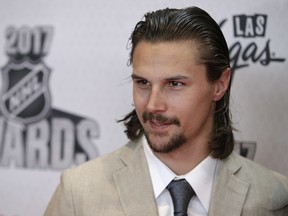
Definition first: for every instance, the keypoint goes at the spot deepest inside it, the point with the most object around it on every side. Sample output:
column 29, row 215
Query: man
column 180, row 132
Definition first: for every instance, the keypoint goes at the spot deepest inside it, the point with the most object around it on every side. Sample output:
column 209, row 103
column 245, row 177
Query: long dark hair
column 190, row 24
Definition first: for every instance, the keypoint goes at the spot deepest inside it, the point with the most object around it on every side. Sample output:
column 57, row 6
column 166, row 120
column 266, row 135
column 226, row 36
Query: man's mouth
column 159, row 120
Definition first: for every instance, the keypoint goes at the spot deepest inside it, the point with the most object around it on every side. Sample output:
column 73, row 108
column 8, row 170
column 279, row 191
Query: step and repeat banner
column 65, row 82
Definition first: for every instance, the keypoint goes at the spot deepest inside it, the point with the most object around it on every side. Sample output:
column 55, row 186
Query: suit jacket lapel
column 133, row 183
column 229, row 192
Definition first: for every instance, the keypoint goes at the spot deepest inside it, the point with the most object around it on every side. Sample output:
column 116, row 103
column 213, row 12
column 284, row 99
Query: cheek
column 139, row 104
column 138, row 99
column 194, row 108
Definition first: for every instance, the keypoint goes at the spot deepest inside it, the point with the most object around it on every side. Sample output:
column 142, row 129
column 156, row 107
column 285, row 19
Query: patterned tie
column 181, row 193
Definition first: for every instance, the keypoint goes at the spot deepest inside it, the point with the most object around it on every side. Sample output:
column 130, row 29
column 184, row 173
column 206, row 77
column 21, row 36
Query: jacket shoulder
column 269, row 186
column 90, row 187
column 255, row 172
column 105, row 165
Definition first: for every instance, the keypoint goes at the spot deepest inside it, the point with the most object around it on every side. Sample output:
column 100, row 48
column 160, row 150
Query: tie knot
column 181, row 193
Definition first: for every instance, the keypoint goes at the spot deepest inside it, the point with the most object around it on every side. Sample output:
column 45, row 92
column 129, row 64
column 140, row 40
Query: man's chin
column 157, row 142
column 162, row 144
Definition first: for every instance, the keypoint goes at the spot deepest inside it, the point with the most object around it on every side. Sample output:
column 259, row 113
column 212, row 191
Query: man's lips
column 159, row 120
column 159, row 123
column 158, row 126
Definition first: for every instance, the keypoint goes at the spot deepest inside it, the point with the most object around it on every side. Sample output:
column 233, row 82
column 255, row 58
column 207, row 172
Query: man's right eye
column 142, row 82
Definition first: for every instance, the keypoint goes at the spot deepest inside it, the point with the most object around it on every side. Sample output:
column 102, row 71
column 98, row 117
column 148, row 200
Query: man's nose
column 156, row 101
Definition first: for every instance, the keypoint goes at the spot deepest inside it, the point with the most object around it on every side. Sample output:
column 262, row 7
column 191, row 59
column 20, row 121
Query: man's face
column 173, row 99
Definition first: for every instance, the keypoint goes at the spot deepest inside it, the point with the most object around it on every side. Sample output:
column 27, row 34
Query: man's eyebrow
column 135, row 76
column 180, row 77
column 173, row 78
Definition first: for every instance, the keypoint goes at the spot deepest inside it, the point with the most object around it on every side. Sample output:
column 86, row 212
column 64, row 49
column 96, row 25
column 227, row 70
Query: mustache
column 160, row 118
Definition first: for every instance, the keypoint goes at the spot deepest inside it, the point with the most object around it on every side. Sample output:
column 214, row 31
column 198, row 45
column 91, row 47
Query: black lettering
column 11, row 43
column 55, row 143
column 235, row 53
column 24, row 41
column 239, row 25
column 260, row 21
column 250, row 52
column 33, row 43
column 249, row 27
column 87, row 131
column 13, row 146
column 37, row 139
column 268, row 58
column 62, row 143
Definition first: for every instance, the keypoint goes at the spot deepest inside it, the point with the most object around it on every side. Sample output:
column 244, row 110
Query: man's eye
column 175, row 84
column 142, row 82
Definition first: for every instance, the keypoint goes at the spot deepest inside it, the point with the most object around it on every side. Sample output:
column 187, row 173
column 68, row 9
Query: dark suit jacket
column 119, row 184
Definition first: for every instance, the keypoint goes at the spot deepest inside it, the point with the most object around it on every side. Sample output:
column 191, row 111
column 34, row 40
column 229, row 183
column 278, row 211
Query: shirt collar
column 160, row 174
column 200, row 178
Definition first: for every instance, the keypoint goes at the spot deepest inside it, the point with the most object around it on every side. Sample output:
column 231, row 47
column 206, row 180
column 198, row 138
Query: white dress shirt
column 200, row 178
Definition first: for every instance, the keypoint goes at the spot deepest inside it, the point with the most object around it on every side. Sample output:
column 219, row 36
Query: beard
column 163, row 144
column 175, row 142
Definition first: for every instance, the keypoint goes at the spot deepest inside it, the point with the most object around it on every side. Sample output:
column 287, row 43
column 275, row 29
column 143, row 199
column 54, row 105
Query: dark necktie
column 181, row 193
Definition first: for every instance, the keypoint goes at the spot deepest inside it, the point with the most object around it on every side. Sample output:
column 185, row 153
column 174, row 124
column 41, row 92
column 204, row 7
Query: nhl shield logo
column 25, row 95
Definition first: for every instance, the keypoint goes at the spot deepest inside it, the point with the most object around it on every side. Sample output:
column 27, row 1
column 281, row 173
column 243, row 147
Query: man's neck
column 184, row 159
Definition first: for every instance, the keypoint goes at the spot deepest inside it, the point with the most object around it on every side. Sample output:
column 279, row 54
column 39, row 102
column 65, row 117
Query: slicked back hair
column 195, row 24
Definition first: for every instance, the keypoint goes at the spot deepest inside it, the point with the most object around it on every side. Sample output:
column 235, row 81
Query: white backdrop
column 89, row 86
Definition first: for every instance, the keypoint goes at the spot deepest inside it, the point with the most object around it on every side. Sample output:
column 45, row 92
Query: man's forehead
column 186, row 48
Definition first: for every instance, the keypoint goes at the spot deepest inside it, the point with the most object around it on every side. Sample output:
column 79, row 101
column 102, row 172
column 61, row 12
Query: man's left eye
column 175, row 84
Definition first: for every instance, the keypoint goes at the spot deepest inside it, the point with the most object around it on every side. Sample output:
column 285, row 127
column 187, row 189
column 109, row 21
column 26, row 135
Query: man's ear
column 222, row 84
